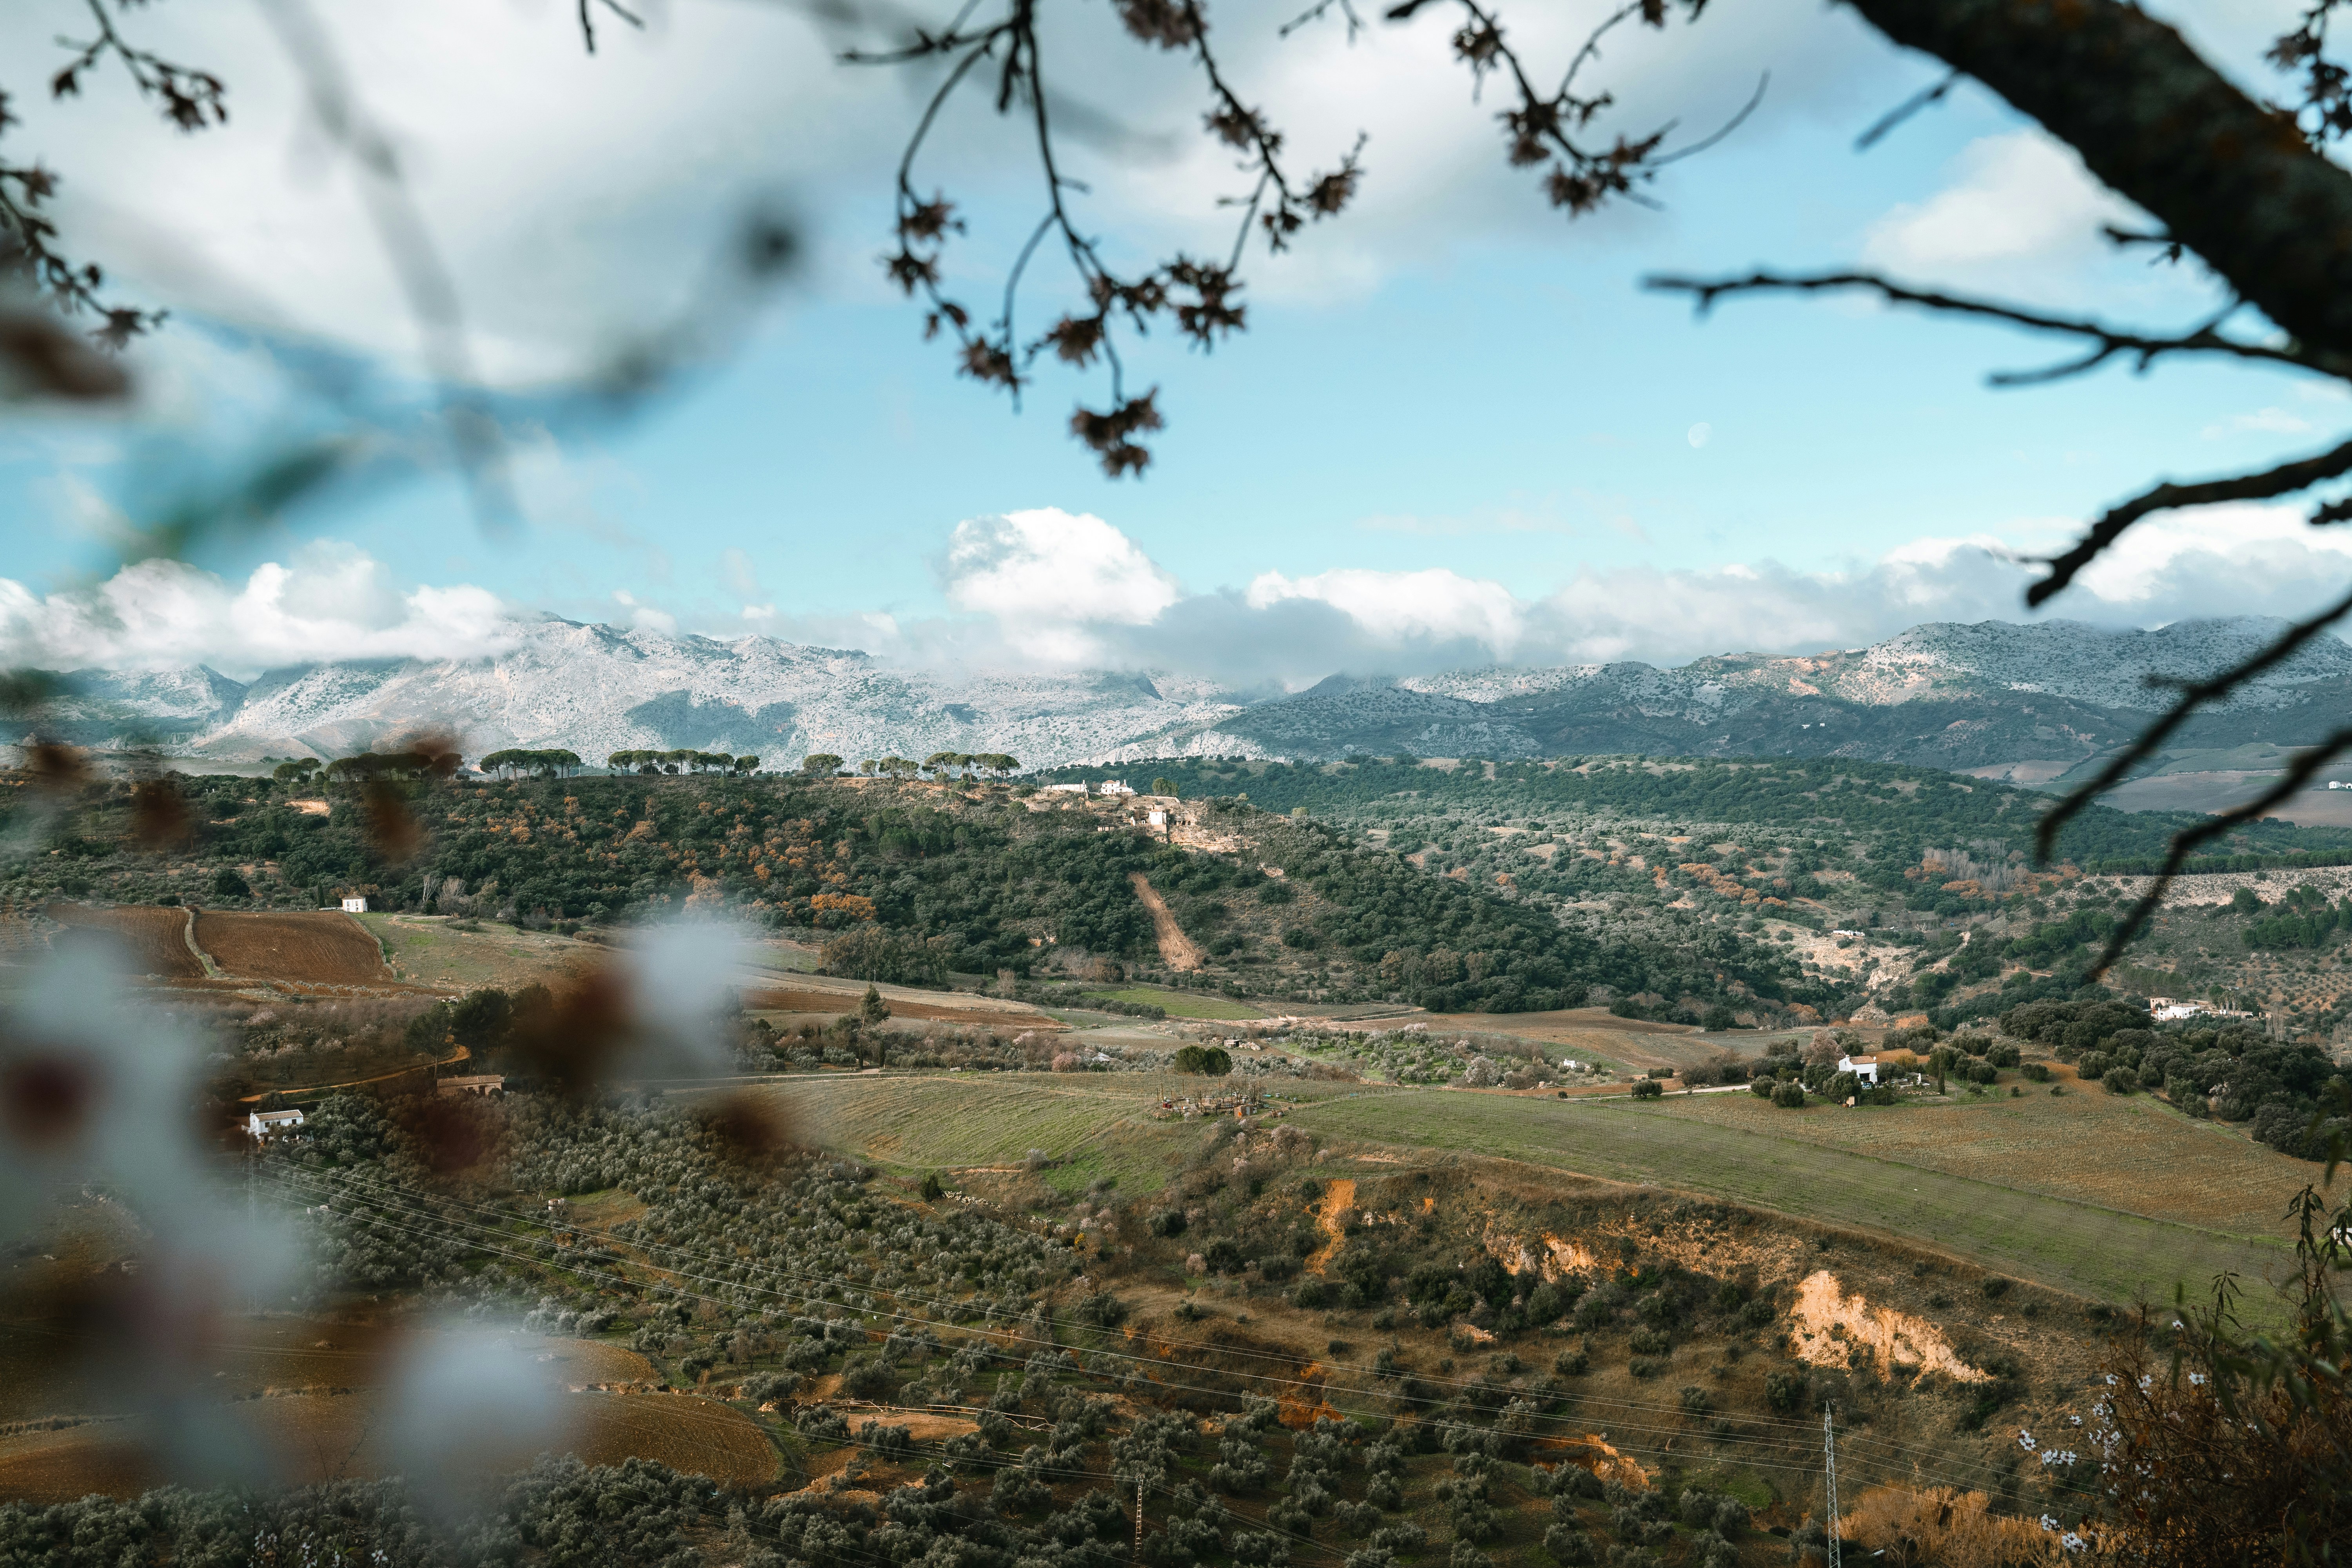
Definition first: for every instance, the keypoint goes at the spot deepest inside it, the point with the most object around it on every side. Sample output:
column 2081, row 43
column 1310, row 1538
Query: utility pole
column 1829, row 1452
column 1139, row 1520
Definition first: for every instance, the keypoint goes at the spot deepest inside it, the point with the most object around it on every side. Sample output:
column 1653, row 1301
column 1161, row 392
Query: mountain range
column 1984, row 697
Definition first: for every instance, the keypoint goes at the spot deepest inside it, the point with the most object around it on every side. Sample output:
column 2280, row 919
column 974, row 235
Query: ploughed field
column 306, row 1394
column 320, row 949
column 155, row 938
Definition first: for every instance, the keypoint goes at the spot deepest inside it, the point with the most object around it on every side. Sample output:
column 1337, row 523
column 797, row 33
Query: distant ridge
column 1947, row 695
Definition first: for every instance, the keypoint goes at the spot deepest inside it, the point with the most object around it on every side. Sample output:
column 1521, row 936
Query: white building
column 1156, row 817
column 1117, row 787
column 354, row 906
column 1065, row 789
column 263, row 1125
column 1863, row 1067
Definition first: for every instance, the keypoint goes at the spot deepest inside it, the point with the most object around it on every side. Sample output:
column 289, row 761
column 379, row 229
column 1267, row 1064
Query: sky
column 1458, row 427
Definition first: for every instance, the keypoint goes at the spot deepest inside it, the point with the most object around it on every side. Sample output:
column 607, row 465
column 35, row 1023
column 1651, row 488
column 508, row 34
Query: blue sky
column 1457, row 416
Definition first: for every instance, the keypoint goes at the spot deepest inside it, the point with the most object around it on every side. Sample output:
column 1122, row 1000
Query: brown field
column 315, row 1411
column 977, row 1011
column 683, row 1431
column 320, row 949
column 155, row 936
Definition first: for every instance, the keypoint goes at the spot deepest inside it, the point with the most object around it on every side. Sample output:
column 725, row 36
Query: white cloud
column 1046, row 574
column 2271, row 421
column 332, row 603
column 1433, row 605
column 1054, row 588
column 644, row 617
column 2020, row 200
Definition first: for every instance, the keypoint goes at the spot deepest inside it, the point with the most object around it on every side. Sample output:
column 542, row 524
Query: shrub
column 1167, row 1222
column 1790, row 1095
column 1762, row 1086
column 932, row 1189
column 1573, row 1363
column 1568, row 1546
column 1994, row 1288
column 1642, row 1366
column 1202, row 1061
column 1983, row 1072
column 1695, row 1402
column 1308, row 1296
column 2003, row 1055
column 1102, row 1310
column 2037, row 1071
column 1786, row 1392
column 1649, row 1088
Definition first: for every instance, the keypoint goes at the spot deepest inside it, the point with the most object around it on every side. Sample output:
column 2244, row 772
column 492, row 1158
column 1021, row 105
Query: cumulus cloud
column 1433, row 605
column 332, row 603
column 2018, row 201
column 1046, row 588
column 1046, row 575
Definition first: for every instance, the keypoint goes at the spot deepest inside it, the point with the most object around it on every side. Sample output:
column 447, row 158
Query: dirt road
column 1174, row 945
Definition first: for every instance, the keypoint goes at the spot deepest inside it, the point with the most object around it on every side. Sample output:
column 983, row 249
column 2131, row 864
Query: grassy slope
column 2040, row 1219
column 2063, row 1242
column 1097, row 1124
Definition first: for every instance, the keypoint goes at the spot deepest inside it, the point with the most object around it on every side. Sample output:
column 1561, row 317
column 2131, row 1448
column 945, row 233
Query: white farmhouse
column 263, row 1125
column 1863, row 1067
column 355, row 906
column 1065, row 789
column 1117, row 787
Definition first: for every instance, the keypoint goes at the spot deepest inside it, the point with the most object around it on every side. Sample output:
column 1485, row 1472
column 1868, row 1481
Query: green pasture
column 2082, row 1248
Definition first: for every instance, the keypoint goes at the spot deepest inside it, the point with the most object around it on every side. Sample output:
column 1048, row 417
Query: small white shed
column 355, row 906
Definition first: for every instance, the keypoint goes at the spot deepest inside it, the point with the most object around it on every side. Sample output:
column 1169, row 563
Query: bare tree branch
column 2184, row 843
column 2229, row 178
column 2106, row 342
column 2284, row 480
column 407, row 240
column 588, row 20
column 1925, row 97
column 2193, row 695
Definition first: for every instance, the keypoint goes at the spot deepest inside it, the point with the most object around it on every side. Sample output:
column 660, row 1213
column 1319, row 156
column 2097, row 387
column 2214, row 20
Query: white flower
column 2047, row 1522
column 2025, row 1440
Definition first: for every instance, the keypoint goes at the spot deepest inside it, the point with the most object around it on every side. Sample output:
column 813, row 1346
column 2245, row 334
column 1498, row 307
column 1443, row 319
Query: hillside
column 1992, row 696
column 990, row 881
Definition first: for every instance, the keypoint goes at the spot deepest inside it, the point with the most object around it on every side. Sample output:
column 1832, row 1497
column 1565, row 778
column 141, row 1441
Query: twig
column 2192, row 696
column 2107, row 343
column 2213, row 828
column 1923, row 98
column 400, row 228
column 588, row 22
column 2284, row 480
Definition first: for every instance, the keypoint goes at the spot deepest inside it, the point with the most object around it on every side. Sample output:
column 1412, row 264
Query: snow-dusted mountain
column 1949, row 695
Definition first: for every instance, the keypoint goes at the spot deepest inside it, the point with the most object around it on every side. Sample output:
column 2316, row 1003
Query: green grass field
column 1186, row 1003
column 2026, row 1223
column 2069, row 1244
column 1095, row 1124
